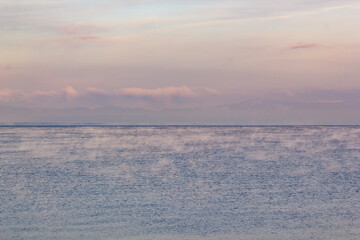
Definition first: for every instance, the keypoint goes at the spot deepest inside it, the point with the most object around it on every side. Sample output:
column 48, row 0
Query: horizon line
column 69, row 125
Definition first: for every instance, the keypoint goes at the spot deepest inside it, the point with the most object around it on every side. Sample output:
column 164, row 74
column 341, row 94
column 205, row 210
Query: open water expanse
column 180, row 182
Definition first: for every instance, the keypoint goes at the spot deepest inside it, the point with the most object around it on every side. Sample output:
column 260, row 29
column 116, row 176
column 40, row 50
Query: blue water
column 92, row 182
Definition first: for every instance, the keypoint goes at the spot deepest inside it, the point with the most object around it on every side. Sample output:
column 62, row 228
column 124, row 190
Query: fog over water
column 180, row 182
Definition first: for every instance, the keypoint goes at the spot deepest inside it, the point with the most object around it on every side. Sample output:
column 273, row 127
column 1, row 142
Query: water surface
column 92, row 182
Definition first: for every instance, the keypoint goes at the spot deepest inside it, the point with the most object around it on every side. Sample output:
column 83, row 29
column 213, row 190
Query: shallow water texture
column 180, row 182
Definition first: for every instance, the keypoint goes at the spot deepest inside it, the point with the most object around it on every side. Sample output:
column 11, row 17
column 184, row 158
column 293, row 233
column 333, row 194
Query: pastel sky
column 166, row 54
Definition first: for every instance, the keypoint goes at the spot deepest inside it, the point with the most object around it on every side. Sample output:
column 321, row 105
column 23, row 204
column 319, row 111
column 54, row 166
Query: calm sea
column 180, row 182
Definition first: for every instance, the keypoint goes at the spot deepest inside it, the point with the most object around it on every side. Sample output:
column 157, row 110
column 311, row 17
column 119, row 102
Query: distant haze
column 180, row 62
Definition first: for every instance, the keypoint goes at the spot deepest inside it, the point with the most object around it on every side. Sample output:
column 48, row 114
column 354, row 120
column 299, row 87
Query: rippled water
column 180, row 182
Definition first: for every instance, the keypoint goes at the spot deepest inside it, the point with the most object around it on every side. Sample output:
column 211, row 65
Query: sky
column 156, row 54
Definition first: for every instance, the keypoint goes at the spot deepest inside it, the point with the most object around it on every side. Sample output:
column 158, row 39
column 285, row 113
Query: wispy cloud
column 239, row 14
column 80, row 37
column 30, row 13
column 304, row 45
column 331, row 101
column 79, row 32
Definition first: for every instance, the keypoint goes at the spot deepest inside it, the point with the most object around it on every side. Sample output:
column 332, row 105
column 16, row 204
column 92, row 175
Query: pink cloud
column 39, row 98
column 211, row 91
column 304, row 45
column 45, row 93
column 158, row 98
column 7, row 95
column 96, row 91
column 69, row 93
column 158, row 92
column 15, row 95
